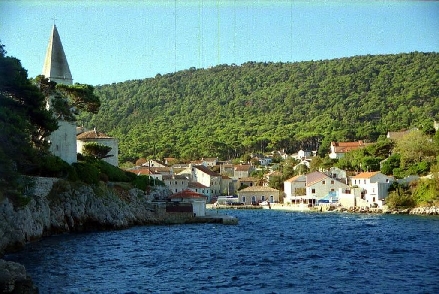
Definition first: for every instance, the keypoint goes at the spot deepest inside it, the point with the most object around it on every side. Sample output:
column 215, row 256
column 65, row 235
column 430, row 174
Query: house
column 302, row 154
column 337, row 173
column 295, row 190
column 398, row 135
column 202, row 189
column 205, row 177
column 243, row 171
column 227, row 169
column 176, row 183
column 373, row 187
column 247, row 182
column 94, row 136
column 145, row 171
column 209, row 161
column 227, row 187
column 320, row 186
column 197, row 200
column 258, row 194
column 154, row 163
column 339, row 149
column 264, row 161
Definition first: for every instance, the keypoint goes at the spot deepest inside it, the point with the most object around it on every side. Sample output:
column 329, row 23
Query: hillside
column 228, row 110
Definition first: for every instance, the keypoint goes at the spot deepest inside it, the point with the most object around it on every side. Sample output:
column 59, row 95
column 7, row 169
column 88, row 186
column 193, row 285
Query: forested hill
column 228, row 110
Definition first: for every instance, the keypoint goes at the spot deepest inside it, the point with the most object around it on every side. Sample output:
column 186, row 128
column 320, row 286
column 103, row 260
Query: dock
column 217, row 218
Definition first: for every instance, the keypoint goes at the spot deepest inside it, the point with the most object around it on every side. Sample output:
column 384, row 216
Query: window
column 313, row 191
column 332, row 182
column 263, row 198
column 243, row 199
column 365, row 181
column 323, row 182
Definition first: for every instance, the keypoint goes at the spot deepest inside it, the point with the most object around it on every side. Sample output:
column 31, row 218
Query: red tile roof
column 187, row 194
column 343, row 147
column 365, row 175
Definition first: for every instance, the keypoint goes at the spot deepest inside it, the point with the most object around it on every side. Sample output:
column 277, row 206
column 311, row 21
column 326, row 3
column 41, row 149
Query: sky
column 114, row 41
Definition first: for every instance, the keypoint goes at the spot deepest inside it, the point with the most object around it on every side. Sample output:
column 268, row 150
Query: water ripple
column 267, row 252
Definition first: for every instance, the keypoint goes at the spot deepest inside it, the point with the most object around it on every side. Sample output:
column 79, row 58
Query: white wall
column 63, row 142
column 110, row 142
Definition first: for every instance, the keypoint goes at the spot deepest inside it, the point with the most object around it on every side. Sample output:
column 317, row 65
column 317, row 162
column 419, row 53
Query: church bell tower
column 56, row 69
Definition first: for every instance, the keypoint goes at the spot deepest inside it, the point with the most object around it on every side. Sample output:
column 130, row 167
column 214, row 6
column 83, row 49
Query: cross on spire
column 54, row 20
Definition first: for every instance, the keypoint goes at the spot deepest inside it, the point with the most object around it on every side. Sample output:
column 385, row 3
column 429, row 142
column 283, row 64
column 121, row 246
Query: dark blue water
column 268, row 252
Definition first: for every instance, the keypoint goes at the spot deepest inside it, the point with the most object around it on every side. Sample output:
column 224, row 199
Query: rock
column 13, row 278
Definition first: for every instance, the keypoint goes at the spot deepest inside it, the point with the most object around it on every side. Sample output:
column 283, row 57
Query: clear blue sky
column 115, row 41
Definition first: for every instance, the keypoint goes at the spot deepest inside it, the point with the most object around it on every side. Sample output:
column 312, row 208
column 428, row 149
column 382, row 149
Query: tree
column 68, row 100
column 25, row 121
column 96, row 150
column 415, row 147
column 392, row 162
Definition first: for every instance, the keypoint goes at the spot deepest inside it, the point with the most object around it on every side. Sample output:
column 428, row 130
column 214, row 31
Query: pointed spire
column 56, row 67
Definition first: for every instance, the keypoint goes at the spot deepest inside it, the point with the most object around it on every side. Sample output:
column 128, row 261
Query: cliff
column 56, row 206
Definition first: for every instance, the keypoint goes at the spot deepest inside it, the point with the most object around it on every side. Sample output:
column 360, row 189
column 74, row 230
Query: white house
column 320, row 186
column 373, row 186
column 197, row 200
column 102, row 139
column 295, row 189
column 176, row 183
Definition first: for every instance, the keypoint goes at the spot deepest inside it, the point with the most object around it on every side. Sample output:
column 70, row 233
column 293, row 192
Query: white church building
column 64, row 142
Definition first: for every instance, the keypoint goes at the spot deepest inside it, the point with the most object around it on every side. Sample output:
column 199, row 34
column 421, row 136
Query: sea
column 269, row 251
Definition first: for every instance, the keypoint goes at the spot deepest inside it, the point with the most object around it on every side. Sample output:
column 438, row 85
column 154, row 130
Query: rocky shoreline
column 56, row 207
column 425, row 210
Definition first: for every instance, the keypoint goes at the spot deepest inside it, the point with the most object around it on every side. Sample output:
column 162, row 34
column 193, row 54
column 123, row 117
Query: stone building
column 257, row 194
column 56, row 69
column 102, row 139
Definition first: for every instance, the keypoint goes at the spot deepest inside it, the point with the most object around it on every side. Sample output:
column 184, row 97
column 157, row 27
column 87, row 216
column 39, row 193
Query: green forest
column 230, row 110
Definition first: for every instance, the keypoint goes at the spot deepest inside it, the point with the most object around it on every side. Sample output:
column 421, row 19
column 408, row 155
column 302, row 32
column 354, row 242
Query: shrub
column 400, row 200
column 53, row 166
column 142, row 182
column 113, row 173
column 88, row 173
